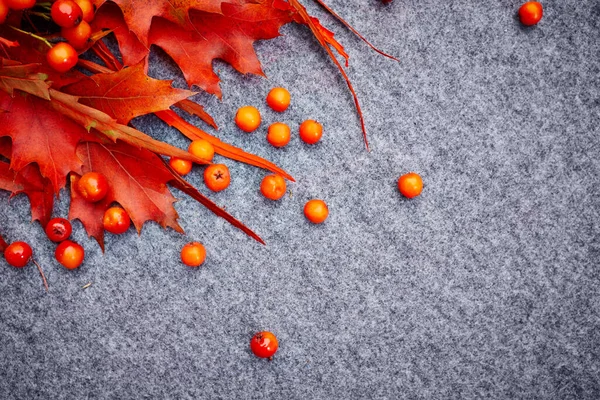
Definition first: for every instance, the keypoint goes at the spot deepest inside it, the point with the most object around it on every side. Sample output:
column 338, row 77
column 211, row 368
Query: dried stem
column 33, row 35
column 42, row 274
column 343, row 21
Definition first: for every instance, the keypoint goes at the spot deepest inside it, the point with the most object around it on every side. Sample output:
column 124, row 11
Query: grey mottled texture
column 487, row 286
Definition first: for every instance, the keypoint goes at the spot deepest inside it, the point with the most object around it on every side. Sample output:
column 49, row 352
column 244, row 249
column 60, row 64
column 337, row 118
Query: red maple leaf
column 143, row 194
column 126, row 94
column 28, row 181
column 138, row 14
column 138, row 181
column 109, row 16
column 228, row 36
column 40, row 135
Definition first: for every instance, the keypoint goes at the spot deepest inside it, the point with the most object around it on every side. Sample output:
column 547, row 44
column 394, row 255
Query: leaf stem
column 361, row 37
column 33, row 35
column 40, row 14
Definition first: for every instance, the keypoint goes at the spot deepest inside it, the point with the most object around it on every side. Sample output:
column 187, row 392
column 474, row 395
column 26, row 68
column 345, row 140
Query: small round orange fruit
column 279, row 134
column 273, row 187
column 193, row 254
column 531, row 13
column 279, row 99
column 410, row 185
column 202, row 149
column 311, row 131
column 181, row 166
column 316, row 211
column 216, row 177
column 247, row 118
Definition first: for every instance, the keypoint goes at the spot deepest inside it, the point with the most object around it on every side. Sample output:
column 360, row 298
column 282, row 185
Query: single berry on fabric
column 216, row 177
column 273, row 187
column 181, row 166
column 316, row 211
column 311, row 131
column 58, row 229
column 116, row 220
column 18, row 254
column 410, row 185
column 69, row 254
column 247, row 118
column 193, row 254
column 531, row 13
column 202, row 149
column 278, row 134
column 279, row 99
column 264, row 344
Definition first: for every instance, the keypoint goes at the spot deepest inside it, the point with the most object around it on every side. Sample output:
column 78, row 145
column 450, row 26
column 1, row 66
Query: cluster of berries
column 72, row 16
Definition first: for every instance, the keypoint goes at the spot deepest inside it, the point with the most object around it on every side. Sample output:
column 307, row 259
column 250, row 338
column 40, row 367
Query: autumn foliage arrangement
column 66, row 122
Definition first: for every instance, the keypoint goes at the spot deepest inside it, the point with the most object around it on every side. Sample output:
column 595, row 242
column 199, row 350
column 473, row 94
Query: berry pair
column 216, row 176
column 279, row 134
column 68, row 253
column 93, row 187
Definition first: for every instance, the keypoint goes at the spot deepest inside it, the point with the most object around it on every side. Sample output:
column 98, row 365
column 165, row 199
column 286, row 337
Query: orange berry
column 77, row 35
column 531, row 13
column 116, row 220
column 279, row 99
column 273, row 187
column 87, row 9
column 62, row 57
column 93, row 186
column 193, row 254
column 69, row 254
column 216, row 177
column 316, row 211
column 279, row 134
column 311, row 131
column 202, row 149
column 247, row 118
column 181, row 166
column 410, row 185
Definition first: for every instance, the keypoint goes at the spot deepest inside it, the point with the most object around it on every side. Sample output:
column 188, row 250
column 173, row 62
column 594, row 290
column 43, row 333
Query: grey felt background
column 487, row 286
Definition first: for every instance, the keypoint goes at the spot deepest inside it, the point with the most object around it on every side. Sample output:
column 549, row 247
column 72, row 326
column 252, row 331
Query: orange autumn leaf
column 127, row 93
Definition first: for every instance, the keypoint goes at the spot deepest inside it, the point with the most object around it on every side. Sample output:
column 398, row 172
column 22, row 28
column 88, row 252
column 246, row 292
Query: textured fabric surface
column 486, row 286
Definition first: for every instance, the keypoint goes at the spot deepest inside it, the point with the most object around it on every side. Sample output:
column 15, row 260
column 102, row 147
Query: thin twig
column 33, row 35
column 42, row 274
column 343, row 21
